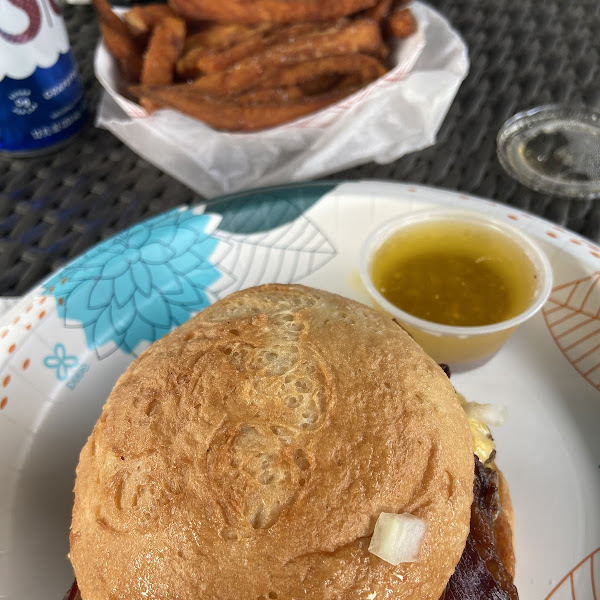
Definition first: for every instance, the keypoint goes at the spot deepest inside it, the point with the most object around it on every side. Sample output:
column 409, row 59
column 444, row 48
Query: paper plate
column 63, row 346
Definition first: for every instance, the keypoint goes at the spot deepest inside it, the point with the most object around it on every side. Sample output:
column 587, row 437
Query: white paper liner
column 397, row 114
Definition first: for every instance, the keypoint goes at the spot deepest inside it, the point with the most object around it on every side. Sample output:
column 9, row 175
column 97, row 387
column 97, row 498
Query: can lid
column 553, row 149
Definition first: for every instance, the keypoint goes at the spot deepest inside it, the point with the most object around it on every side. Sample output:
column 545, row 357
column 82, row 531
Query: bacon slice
column 73, row 593
column 480, row 574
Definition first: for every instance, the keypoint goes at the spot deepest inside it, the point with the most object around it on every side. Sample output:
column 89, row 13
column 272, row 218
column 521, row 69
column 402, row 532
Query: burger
column 287, row 443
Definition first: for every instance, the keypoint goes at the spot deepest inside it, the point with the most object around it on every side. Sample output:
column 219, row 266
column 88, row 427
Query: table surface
column 523, row 53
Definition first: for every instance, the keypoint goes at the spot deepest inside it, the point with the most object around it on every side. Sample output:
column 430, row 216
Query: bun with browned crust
column 248, row 454
column 504, row 528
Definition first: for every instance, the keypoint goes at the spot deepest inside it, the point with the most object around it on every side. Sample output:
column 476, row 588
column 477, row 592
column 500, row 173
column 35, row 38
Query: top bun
column 248, row 454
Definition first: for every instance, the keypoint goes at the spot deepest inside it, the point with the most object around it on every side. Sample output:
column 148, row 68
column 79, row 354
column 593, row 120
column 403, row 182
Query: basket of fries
column 232, row 94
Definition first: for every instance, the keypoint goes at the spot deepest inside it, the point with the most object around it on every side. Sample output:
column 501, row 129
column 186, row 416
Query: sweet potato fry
column 217, row 36
column 399, row 24
column 214, row 61
column 379, row 11
column 223, row 46
column 358, row 36
column 268, row 11
column 230, row 115
column 119, row 41
column 142, row 18
column 270, row 95
column 166, row 43
column 215, row 39
column 320, row 84
column 124, row 50
column 251, row 64
column 364, row 68
column 108, row 18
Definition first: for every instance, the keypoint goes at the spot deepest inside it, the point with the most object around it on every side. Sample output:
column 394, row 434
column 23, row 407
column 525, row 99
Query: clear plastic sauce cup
column 435, row 237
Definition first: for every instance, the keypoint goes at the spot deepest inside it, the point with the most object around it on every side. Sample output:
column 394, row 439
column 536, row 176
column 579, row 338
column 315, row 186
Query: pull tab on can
column 41, row 96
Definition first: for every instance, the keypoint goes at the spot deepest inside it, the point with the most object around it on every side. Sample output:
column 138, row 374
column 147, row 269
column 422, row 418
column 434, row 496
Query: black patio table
column 523, row 53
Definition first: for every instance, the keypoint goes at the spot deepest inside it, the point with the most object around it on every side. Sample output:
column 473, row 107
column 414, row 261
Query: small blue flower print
column 61, row 361
column 140, row 284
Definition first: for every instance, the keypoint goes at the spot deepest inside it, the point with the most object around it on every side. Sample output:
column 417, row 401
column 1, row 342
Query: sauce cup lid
column 553, row 149
column 540, row 262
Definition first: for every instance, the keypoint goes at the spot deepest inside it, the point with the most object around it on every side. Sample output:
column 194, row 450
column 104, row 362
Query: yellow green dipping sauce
column 454, row 273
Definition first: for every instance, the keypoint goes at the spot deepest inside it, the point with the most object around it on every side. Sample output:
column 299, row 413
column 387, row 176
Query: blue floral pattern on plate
column 61, row 361
column 140, row 284
column 136, row 287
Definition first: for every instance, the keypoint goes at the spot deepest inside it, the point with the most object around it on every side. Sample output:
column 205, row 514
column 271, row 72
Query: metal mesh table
column 523, row 53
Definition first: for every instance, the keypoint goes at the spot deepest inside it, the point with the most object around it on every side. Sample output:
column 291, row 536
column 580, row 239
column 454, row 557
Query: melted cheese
column 483, row 443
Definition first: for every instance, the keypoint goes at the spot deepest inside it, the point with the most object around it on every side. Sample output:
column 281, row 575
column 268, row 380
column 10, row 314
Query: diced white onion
column 490, row 414
column 397, row 538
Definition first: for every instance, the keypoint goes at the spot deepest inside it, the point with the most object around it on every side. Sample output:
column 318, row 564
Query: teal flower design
column 269, row 208
column 136, row 287
column 140, row 284
column 61, row 361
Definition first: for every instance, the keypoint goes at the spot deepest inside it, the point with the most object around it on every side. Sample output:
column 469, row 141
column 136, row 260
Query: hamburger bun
column 504, row 527
column 248, row 454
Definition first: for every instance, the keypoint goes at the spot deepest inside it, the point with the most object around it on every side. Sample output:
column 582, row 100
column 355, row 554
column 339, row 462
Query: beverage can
column 41, row 97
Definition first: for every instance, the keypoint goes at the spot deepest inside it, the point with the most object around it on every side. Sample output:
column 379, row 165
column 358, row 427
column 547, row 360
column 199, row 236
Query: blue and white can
column 41, row 96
